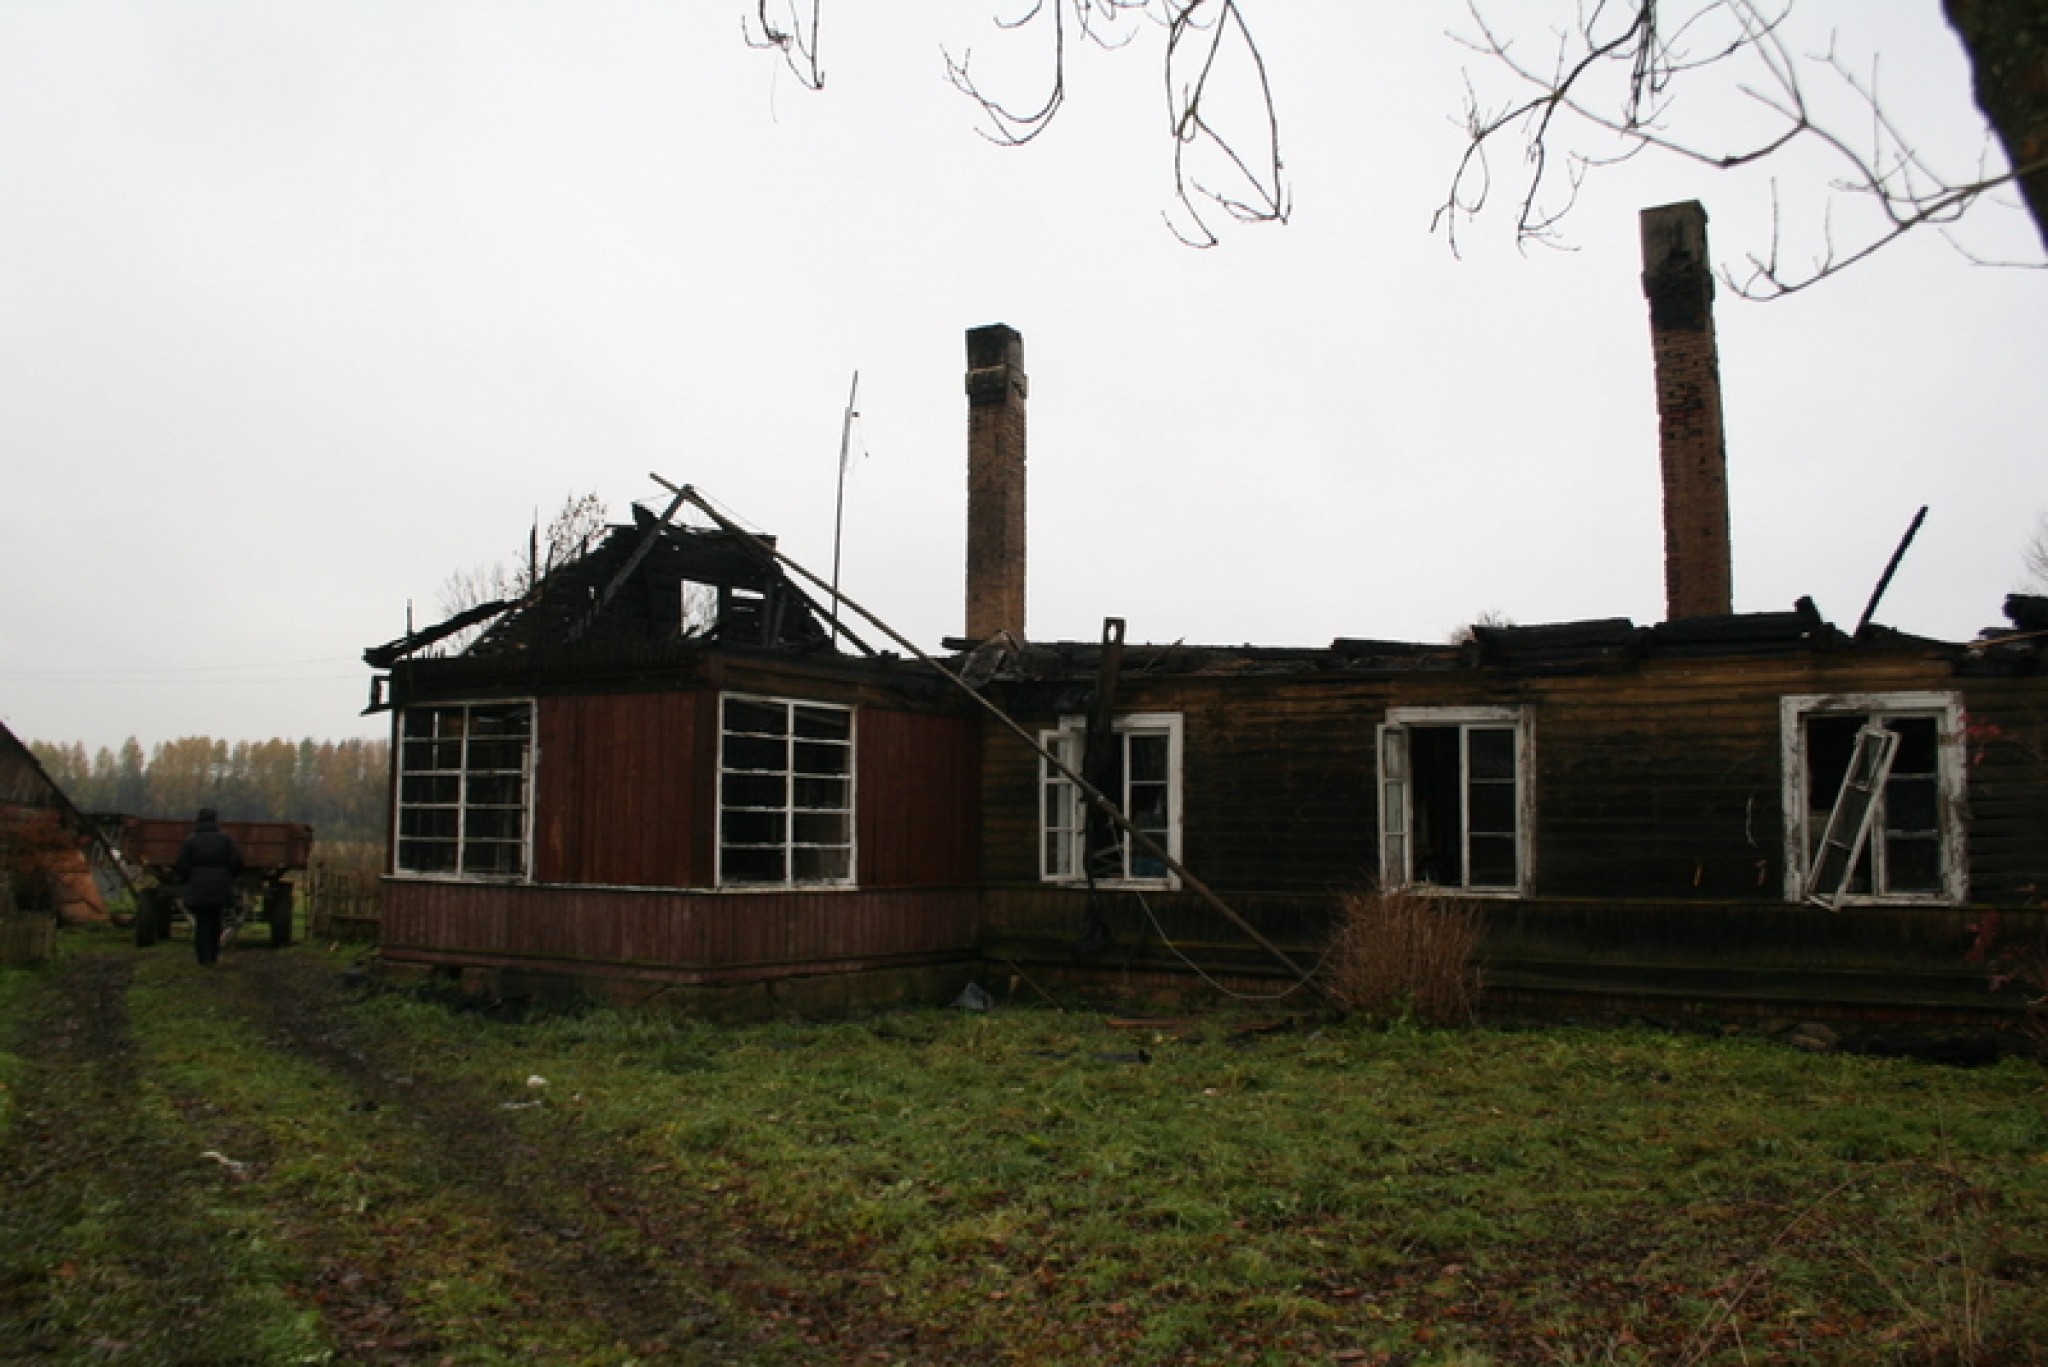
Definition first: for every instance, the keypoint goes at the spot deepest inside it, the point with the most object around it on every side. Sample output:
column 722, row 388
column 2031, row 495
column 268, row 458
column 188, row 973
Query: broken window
column 1141, row 776
column 1873, row 788
column 464, row 772
column 785, row 793
column 1453, row 798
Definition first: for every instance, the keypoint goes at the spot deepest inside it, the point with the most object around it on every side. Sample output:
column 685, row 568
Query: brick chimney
column 995, row 482
column 1680, row 287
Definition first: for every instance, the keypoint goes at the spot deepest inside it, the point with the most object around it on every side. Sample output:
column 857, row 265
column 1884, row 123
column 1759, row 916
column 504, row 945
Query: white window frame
column 461, row 773
column 1397, row 794
column 1945, row 709
column 791, row 809
column 1063, row 812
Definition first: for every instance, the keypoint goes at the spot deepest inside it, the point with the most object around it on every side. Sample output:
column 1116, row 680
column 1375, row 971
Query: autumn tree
column 338, row 787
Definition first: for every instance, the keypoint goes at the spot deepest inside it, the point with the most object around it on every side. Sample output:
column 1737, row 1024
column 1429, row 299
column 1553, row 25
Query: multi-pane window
column 1873, row 787
column 1454, row 798
column 785, row 793
column 464, row 773
column 1141, row 774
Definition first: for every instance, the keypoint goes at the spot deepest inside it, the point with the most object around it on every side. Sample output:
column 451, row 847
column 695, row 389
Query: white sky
column 305, row 307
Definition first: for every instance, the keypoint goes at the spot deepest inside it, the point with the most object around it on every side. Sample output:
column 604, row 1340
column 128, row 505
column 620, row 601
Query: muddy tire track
column 108, row 1246
column 597, row 1239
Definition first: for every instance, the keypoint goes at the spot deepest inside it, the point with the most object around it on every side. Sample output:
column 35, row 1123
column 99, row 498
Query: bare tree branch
column 575, row 528
column 1878, row 166
column 2034, row 556
column 795, row 36
column 1229, row 162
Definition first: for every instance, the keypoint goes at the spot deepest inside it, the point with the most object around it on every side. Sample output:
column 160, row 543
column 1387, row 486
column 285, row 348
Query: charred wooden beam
column 391, row 652
column 1098, row 741
column 648, row 538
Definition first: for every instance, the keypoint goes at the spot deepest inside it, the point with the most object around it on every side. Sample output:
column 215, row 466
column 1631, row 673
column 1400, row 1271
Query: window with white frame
column 1455, row 798
column 464, row 774
column 1873, row 798
column 1141, row 775
column 785, row 793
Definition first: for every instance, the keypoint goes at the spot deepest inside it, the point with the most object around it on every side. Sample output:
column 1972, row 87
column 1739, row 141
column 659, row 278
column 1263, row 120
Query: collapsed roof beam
column 391, row 652
column 611, row 589
column 767, row 553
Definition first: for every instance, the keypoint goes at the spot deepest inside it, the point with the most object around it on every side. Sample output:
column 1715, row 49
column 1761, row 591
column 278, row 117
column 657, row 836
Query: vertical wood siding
column 917, row 797
column 705, row 934
column 623, row 789
column 626, row 792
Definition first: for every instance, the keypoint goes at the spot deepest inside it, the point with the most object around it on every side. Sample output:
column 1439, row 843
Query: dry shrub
column 1399, row 954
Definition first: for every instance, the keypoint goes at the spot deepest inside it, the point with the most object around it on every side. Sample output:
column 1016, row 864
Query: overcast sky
column 305, row 307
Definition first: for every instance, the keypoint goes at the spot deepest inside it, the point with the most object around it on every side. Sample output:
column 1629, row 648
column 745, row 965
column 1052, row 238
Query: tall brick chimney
column 995, row 482
column 1680, row 287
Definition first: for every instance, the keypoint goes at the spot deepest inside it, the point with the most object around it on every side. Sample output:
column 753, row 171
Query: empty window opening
column 698, row 609
column 1451, row 800
column 1873, row 819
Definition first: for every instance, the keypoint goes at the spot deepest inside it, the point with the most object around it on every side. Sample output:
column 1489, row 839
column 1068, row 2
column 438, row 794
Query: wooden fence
column 26, row 937
column 344, row 904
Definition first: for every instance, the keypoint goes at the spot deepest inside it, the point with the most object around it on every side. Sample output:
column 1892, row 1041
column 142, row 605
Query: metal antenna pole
column 839, row 511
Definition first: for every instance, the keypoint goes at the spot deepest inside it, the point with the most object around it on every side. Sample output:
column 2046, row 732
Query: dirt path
column 121, row 1241
column 107, row 1245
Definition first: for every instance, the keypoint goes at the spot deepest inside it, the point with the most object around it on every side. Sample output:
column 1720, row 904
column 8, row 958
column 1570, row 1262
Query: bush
column 1399, row 955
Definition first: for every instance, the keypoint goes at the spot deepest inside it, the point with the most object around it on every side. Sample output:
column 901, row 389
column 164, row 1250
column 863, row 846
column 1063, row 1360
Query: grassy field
column 260, row 1165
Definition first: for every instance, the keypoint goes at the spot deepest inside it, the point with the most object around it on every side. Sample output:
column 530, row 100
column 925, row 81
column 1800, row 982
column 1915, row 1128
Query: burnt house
column 656, row 771
column 661, row 769
column 1687, row 810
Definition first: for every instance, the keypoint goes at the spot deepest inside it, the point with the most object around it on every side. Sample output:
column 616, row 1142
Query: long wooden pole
column 1094, row 795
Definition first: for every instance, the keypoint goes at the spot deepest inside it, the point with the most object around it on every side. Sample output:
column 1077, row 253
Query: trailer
column 271, row 852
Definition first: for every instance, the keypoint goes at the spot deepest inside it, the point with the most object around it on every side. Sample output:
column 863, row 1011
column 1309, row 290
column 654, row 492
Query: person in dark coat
column 206, row 868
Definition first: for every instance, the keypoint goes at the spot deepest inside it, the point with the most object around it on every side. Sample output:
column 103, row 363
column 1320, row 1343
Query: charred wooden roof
column 628, row 592
column 631, row 595
column 1600, row 645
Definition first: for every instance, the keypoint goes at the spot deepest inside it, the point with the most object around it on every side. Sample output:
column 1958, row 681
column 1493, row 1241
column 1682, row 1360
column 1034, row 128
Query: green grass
column 15, row 985
column 1600, row 1187
column 1022, row 1186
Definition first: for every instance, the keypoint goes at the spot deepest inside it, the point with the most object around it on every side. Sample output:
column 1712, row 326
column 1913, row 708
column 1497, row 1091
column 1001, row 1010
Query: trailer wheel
column 277, row 909
column 145, row 918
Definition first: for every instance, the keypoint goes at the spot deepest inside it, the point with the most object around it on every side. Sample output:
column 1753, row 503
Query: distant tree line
column 338, row 787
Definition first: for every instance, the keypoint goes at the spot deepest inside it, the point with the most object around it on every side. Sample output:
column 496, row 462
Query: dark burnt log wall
column 2006, row 732
column 1666, row 782
column 1661, row 780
